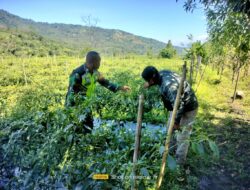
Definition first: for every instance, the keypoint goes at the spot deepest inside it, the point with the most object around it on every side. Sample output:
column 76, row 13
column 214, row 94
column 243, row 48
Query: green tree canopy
column 169, row 51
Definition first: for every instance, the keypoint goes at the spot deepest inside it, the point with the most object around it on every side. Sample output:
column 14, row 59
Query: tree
column 91, row 24
column 222, row 7
column 234, row 31
column 169, row 51
column 229, row 25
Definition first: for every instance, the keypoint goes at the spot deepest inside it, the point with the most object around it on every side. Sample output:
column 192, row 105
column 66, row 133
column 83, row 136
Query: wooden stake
column 137, row 140
column 170, row 128
column 198, row 84
column 236, row 85
column 191, row 72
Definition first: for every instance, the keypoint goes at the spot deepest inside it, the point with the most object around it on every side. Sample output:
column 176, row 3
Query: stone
column 239, row 94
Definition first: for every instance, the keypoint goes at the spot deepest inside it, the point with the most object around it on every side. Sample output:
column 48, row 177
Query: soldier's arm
column 75, row 81
column 107, row 84
column 112, row 86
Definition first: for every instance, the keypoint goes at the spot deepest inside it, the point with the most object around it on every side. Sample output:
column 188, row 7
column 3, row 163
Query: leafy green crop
column 43, row 140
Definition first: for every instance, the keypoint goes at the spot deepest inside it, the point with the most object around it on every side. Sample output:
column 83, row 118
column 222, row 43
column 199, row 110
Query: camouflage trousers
column 182, row 137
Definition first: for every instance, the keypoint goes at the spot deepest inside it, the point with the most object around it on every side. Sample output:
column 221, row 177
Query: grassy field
column 38, row 135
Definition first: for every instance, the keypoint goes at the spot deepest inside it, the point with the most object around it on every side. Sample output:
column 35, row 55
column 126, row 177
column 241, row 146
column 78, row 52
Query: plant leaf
column 194, row 147
column 82, row 117
column 144, row 172
column 68, row 127
column 171, row 162
column 162, row 148
column 141, row 186
column 70, row 137
column 214, row 148
column 200, row 149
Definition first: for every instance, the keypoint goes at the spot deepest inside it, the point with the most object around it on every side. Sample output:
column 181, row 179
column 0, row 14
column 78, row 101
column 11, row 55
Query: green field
column 38, row 135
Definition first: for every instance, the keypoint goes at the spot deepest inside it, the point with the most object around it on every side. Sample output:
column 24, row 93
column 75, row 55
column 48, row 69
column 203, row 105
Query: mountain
column 80, row 38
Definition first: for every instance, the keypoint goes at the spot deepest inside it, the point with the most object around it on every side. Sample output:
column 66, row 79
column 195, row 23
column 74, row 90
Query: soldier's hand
column 125, row 88
column 146, row 85
column 176, row 127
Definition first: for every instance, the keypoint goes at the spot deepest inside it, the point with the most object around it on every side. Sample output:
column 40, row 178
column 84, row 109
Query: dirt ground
column 233, row 168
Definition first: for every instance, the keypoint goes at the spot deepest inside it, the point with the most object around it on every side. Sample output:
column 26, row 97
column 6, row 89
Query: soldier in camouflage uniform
column 82, row 83
column 168, row 83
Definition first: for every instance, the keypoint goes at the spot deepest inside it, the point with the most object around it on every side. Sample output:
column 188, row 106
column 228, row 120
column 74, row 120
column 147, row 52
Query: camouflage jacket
column 83, row 83
column 169, row 83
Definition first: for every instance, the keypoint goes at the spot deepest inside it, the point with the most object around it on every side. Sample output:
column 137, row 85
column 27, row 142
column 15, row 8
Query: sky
column 162, row 20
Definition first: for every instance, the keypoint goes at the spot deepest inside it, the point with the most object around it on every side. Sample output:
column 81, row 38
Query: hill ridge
column 108, row 41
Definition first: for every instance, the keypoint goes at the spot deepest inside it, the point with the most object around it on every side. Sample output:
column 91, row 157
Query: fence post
column 137, row 140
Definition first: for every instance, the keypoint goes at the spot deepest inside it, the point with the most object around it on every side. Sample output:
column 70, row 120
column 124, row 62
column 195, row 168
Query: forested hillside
column 15, row 43
column 108, row 41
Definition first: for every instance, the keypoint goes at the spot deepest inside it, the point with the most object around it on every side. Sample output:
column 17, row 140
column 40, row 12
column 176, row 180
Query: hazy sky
column 158, row 19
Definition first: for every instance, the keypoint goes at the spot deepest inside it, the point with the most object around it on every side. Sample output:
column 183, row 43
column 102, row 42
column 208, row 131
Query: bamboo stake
column 137, row 140
column 170, row 128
